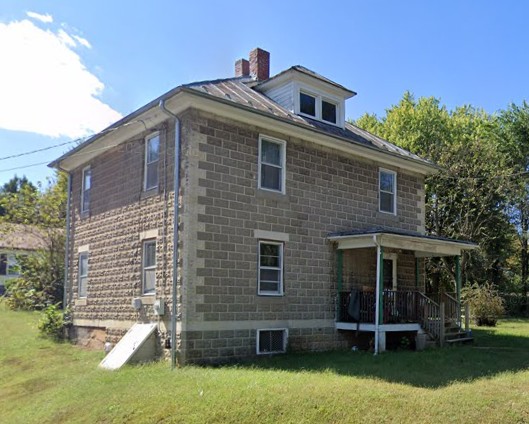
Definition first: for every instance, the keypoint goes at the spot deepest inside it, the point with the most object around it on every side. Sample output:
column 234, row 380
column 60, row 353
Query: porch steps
column 455, row 335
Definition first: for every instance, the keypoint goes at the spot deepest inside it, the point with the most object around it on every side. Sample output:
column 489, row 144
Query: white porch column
column 380, row 342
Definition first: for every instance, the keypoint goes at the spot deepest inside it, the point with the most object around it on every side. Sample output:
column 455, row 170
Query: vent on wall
column 272, row 340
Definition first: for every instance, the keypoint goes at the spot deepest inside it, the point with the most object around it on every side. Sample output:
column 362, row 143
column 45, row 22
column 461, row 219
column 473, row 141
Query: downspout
column 176, row 187
column 67, row 294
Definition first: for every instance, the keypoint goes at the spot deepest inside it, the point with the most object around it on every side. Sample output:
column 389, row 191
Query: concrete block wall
column 121, row 216
column 326, row 191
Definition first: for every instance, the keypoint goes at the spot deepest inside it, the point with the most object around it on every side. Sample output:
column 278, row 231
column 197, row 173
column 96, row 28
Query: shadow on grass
column 491, row 354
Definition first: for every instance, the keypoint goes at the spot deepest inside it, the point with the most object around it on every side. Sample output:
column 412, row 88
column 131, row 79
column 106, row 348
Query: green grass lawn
column 44, row 382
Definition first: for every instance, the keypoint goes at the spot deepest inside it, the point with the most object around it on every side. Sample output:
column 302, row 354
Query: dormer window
column 318, row 107
column 307, row 104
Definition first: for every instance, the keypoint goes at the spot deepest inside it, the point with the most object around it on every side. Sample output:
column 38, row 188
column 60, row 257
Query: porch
column 381, row 285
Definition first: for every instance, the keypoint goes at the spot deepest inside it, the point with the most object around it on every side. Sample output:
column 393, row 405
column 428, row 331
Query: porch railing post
column 339, row 277
column 442, row 324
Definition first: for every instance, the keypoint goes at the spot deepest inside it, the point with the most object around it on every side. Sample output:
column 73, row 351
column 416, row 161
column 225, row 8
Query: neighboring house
column 285, row 211
column 16, row 240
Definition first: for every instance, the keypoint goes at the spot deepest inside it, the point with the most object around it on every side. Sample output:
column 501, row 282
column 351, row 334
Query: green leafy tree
column 467, row 198
column 514, row 130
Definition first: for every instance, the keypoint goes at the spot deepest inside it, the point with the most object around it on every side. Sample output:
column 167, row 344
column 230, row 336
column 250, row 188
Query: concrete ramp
column 138, row 345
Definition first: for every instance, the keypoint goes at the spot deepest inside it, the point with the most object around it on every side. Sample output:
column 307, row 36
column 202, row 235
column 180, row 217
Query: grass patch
column 45, row 382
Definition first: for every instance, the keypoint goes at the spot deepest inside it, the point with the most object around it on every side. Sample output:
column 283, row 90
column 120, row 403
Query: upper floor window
column 270, row 278
column 87, row 185
column 149, row 266
column 83, row 273
column 152, row 155
column 272, row 164
column 387, row 191
column 318, row 107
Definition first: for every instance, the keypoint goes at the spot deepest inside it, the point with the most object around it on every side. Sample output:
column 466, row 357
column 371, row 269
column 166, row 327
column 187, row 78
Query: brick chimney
column 242, row 68
column 260, row 64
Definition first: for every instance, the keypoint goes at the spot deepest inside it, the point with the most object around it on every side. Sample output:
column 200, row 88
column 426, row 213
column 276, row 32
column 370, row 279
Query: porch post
column 379, row 306
column 339, row 277
column 458, row 288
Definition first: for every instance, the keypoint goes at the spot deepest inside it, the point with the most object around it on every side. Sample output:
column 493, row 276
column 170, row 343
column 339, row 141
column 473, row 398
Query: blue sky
column 71, row 68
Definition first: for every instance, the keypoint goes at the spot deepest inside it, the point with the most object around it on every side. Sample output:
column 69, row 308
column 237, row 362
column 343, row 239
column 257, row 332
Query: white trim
column 281, row 270
column 283, row 166
column 144, row 268
column 145, row 163
column 285, row 340
column 83, row 248
column 380, row 191
column 319, row 96
column 382, row 328
column 271, row 235
column 85, row 209
column 184, row 100
column 149, row 234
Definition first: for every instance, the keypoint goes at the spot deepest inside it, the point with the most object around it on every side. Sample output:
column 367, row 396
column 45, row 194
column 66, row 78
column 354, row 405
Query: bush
column 486, row 305
column 53, row 322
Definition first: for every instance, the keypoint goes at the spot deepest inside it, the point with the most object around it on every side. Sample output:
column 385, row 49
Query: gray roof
column 310, row 73
column 22, row 237
column 236, row 90
column 398, row 233
column 239, row 91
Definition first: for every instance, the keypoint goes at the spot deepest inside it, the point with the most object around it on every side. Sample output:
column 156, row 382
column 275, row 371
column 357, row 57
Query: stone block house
column 241, row 215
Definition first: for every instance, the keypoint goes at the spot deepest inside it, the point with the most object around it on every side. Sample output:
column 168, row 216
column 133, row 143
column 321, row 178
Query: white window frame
column 319, row 96
column 146, row 163
column 285, row 341
column 281, row 268
column 380, row 191
column 82, row 277
column 283, row 146
column 145, row 268
column 12, row 265
column 84, row 207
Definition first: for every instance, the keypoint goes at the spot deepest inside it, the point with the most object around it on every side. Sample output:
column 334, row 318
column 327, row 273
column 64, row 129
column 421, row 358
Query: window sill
column 148, row 299
column 272, row 195
column 81, row 301
column 267, row 298
column 146, row 194
column 387, row 215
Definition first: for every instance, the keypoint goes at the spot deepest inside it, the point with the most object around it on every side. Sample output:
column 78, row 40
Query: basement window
column 272, row 341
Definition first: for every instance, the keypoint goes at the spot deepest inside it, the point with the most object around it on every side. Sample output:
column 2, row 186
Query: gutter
column 176, row 188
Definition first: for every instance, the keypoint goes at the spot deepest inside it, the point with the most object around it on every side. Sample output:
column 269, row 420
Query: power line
column 40, row 150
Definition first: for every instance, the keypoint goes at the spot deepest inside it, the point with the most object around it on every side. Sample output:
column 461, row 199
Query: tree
column 42, row 274
column 514, row 130
column 467, row 198
column 12, row 190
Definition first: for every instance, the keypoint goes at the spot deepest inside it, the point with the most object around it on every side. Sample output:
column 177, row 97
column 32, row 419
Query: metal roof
column 237, row 91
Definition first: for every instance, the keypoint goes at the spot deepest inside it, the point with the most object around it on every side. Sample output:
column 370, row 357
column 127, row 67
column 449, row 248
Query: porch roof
column 422, row 245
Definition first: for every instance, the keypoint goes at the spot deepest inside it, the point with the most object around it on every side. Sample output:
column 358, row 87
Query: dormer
column 308, row 94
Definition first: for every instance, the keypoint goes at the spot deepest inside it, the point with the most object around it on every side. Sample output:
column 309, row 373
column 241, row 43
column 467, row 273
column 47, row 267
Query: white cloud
column 47, row 18
column 83, row 41
column 45, row 88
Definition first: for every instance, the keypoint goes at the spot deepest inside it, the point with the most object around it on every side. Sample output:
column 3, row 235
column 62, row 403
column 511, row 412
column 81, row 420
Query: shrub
column 53, row 322
column 486, row 305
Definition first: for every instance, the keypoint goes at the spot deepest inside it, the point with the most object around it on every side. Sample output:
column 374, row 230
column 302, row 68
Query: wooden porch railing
column 399, row 307
column 430, row 316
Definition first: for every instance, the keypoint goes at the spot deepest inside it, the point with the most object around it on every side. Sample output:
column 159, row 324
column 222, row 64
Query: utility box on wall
column 159, row 307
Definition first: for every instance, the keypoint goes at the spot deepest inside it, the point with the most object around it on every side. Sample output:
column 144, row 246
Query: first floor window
column 152, row 155
column 270, row 268
column 272, row 164
column 3, row 264
column 387, row 191
column 83, row 273
column 149, row 266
